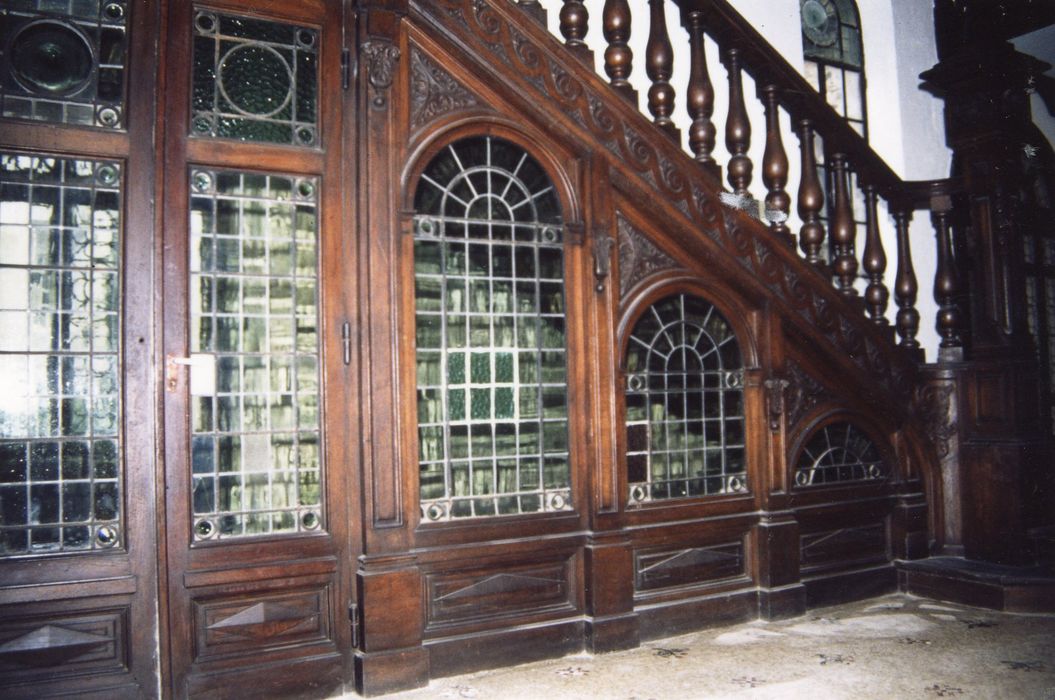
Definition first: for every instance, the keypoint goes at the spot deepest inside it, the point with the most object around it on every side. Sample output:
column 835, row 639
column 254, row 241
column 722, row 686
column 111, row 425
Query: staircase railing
column 827, row 237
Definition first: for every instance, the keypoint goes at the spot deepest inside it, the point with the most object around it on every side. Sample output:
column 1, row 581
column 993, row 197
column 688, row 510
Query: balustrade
column 828, row 223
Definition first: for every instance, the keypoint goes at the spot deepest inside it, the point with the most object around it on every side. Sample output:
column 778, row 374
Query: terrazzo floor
column 896, row 646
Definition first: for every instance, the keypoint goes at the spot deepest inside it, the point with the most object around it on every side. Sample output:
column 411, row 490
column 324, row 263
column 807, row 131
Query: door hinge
column 353, row 616
column 346, row 68
column 346, row 342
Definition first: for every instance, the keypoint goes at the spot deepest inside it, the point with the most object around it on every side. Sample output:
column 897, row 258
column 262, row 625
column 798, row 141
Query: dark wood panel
column 245, row 625
column 687, row 615
column 492, row 593
column 448, row 657
column 663, row 569
column 60, row 646
column 845, row 546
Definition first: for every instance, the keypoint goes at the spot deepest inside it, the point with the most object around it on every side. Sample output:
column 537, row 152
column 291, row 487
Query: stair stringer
column 558, row 90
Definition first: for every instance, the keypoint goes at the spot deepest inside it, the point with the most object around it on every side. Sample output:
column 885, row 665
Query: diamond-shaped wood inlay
column 50, row 645
column 262, row 620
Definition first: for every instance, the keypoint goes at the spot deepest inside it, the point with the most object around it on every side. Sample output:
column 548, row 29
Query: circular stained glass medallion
column 820, row 22
column 256, row 80
column 51, row 58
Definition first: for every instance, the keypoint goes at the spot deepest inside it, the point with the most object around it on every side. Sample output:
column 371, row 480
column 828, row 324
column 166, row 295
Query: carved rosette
column 638, row 257
column 433, row 92
column 380, row 58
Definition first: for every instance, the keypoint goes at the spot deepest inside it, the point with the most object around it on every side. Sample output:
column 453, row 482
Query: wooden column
column 811, row 198
column 874, row 261
column 905, row 285
column 659, row 65
column 775, row 169
column 574, row 25
column 700, row 97
column 618, row 58
column 843, row 229
column 737, row 128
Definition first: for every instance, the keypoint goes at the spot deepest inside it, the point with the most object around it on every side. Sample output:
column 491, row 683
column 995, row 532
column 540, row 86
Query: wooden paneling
column 62, row 646
column 663, row 569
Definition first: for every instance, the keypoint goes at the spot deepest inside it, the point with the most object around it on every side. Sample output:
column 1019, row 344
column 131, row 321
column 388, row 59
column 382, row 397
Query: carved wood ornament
column 433, row 91
column 638, row 257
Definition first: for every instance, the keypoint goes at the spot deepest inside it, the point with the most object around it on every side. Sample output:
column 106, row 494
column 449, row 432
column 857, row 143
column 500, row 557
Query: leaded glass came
column 60, row 454
column 255, row 437
column 254, row 80
column 838, row 453
column 64, row 61
column 684, row 403
column 491, row 350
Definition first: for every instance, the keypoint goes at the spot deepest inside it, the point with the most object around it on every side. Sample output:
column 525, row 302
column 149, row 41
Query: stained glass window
column 60, row 456
column 684, row 403
column 255, row 436
column 254, row 80
column 839, row 452
column 64, row 61
column 491, row 351
column 834, row 57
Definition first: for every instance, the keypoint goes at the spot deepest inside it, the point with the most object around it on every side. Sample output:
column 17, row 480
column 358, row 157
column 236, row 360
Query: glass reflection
column 59, row 330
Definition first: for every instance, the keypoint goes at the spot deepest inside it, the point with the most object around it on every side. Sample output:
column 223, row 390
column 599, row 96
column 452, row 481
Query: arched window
column 684, row 403
column 834, row 57
column 837, row 453
column 491, row 351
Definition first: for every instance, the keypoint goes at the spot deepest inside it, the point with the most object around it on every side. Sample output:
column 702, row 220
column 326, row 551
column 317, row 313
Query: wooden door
column 256, row 346
column 78, row 606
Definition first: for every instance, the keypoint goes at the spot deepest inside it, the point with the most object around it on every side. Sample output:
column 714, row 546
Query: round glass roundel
column 819, row 22
column 256, row 80
column 51, row 58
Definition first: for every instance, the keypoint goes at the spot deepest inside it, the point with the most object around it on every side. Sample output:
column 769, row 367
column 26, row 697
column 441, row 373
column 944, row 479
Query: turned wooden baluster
column 946, row 279
column 618, row 58
column 811, row 198
column 843, row 229
column 874, row 260
column 659, row 65
column 700, row 96
column 737, row 128
column 574, row 24
column 905, row 286
column 775, row 168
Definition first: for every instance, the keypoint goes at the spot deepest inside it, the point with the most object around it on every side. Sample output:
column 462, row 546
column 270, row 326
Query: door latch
column 202, row 373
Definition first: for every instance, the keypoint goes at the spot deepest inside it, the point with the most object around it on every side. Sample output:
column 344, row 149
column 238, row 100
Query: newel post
column 1003, row 475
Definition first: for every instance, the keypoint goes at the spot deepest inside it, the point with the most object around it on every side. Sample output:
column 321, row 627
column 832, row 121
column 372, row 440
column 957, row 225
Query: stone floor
column 896, row 646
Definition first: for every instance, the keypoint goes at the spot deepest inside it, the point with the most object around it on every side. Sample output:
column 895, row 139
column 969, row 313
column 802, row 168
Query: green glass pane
column 480, row 368
column 456, row 368
column 480, row 404
column 456, row 404
column 503, row 367
column 504, row 407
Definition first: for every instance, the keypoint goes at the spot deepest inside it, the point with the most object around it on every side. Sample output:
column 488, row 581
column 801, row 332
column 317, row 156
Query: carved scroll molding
column 661, row 169
column 433, row 91
column 638, row 257
column 380, row 58
column 935, row 407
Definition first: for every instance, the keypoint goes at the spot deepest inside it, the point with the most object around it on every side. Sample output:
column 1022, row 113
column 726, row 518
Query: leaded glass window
column 63, row 61
column 254, row 316
column 839, row 452
column 254, row 80
column 834, row 57
column 491, row 350
column 60, row 456
column 684, row 403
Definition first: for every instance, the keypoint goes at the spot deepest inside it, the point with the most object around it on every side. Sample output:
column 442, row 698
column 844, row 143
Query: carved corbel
column 381, row 58
column 775, row 400
column 602, row 259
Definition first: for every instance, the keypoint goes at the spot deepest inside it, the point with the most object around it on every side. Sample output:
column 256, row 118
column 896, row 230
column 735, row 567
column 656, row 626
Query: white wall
column 905, row 123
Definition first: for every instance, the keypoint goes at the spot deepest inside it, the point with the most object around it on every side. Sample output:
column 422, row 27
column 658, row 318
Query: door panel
column 78, row 606
column 258, row 546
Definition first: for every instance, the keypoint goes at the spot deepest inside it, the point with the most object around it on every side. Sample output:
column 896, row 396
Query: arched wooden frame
column 561, row 168
column 866, row 428
column 738, row 319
